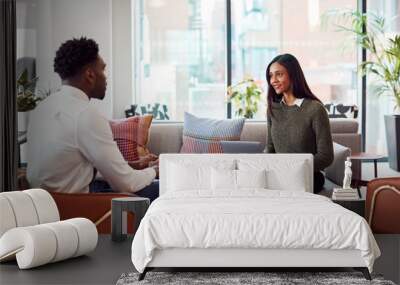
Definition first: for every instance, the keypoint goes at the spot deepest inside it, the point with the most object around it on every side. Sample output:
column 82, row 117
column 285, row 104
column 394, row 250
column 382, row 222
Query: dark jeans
column 151, row 191
column 319, row 181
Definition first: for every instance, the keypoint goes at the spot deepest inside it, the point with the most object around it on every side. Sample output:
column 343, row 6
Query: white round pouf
column 23, row 208
column 31, row 232
column 7, row 218
column 46, row 208
column 67, row 240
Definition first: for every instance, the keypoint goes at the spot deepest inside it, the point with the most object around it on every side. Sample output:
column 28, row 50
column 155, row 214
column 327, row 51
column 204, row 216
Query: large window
column 180, row 58
column 379, row 106
column 181, row 51
column 263, row 29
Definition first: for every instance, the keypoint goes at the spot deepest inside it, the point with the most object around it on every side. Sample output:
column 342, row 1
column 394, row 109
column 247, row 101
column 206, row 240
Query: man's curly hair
column 73, row 55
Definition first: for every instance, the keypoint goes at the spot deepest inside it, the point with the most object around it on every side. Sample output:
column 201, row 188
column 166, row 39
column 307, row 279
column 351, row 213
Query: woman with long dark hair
column 297, row 120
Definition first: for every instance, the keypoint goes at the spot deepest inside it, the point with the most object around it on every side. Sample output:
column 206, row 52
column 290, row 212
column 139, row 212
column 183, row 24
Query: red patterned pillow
column 132, row 135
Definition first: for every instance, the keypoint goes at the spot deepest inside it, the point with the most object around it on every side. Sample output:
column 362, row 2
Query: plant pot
column 392, row 124
column 23, row 118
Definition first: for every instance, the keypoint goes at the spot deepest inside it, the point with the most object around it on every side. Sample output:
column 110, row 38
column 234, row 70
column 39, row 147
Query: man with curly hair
column 68, row 139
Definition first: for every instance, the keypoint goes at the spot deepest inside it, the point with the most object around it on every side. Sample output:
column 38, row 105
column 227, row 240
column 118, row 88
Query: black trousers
column 150, row 191
column 319, row 181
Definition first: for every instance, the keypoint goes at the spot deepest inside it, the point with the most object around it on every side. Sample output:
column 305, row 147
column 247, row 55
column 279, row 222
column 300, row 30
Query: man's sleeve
column 95, row 141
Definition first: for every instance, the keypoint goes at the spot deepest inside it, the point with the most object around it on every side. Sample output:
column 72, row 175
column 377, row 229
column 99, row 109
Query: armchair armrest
column 335, row 172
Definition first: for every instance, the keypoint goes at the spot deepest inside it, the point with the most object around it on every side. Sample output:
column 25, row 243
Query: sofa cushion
column 203, row 135
column 335, row 171
column 242, row 147
column 131, row 136
column 344, row 126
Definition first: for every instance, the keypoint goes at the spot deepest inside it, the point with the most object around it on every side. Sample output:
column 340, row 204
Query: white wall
column 42, row 25
column 61, row 20
column 122, row 52
column 26, row 32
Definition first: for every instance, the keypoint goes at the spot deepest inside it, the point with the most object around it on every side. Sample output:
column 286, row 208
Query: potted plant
column 384, row 67
column 245, row 97
column 26, row 99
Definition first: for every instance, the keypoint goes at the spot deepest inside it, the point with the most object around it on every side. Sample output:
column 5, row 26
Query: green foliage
column 368, row 30
column 26, row 98
column 245, row 97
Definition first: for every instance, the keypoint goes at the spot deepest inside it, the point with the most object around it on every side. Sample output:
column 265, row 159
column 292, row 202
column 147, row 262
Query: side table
column 364, row 156
column 136, row 205
column 357, row 205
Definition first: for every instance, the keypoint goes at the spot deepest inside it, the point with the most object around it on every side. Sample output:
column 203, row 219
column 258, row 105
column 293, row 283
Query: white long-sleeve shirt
column 67, row 137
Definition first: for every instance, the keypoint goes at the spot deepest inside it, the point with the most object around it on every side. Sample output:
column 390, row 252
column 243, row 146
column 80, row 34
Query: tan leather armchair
column 93, row 206
column 382, row 207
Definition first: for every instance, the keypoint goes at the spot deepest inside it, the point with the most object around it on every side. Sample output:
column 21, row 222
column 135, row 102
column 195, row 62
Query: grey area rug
column 228, row 278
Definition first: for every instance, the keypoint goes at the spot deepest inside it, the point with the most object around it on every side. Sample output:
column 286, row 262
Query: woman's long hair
column 296, row 76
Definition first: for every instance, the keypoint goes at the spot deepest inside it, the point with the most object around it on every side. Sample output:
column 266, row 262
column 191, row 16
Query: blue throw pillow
column 203, row 135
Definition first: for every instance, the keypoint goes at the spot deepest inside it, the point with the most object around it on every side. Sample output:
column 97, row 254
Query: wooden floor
column 110, row 259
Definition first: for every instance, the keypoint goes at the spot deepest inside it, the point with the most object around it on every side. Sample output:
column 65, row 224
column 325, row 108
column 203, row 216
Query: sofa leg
column 364, row 271
column 143, row 274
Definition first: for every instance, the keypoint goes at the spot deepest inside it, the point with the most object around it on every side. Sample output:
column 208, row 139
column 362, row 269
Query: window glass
column 379, row 106
column 180, row 59
column 181, row 52
column 263, row 29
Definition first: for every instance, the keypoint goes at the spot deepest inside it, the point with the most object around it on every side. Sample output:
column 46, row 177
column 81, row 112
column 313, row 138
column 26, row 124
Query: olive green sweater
column 305, row 129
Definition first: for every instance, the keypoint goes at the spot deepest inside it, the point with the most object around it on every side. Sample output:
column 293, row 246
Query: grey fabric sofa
column 167, row 138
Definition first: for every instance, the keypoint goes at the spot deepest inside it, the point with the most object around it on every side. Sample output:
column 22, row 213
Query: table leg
column 375, row 168
column 139, row 210
column 116, row 224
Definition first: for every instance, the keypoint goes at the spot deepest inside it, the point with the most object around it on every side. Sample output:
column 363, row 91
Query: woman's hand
column 154, row 163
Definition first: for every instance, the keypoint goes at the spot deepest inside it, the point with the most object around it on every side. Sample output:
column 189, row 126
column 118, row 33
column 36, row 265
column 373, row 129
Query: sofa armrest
column 383, row 203
column 93, row 206
column 335, row 172
column 352, row 141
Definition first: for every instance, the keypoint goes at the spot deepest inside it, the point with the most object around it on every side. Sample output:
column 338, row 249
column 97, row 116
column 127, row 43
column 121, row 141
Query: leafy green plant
column 384, row 50
column 245, row 97
column 26, row 98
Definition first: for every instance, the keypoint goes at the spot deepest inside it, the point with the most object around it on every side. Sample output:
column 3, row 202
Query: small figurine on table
column 347, row 174
column 346, row 192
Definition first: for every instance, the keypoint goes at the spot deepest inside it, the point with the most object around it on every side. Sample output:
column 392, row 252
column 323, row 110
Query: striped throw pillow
column 202, row 135
column 132, row 135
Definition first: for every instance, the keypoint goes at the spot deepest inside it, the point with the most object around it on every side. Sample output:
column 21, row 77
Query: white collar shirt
column 297, row 101
column 67, row 138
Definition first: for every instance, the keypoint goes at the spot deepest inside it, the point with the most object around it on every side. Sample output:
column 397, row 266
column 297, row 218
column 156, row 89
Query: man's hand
column 151, row 157
column 144, row 162
column 153, row 163
column 138, row 164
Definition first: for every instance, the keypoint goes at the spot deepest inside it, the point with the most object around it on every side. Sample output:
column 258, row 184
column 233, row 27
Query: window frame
column 138, row 53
